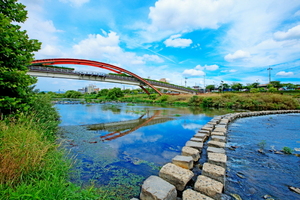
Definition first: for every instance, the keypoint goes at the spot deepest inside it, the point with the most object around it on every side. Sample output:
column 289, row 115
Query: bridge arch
column 113, row 68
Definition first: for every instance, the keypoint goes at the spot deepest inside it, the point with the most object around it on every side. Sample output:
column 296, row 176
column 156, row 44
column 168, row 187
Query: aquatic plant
column 287, row 150
column 262, row 144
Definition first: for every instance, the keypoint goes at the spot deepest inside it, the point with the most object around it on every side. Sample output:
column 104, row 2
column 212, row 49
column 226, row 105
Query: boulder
column 176, row 175
column 156, row 188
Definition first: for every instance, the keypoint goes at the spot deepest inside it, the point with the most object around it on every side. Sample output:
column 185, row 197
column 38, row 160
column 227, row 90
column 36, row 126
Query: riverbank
column 32, row 165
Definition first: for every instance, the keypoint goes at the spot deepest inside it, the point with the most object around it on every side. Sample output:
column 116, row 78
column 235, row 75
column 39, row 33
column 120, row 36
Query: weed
column 287, row 150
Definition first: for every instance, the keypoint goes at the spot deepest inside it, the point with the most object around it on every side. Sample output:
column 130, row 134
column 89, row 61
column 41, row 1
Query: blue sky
column 211, row 40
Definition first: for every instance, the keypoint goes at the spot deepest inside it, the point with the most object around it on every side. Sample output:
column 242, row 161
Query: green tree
column 114, row 94
column 275, row 84
column 72, row 94
column 236, row 86
column 210, row 87
column 16, row 53
column 102, row 93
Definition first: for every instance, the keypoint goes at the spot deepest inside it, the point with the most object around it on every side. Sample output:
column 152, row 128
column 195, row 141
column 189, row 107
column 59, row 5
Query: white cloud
column 178, row 15
column 286, row 74
column 175, row 41
column 153, row 58
column 76, row 3
column 231, row 70
column 211, row 67
column 193, row 72
column 236, row 56
column 292, row 33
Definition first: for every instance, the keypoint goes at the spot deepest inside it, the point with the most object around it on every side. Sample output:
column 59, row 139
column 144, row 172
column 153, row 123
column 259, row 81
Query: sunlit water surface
column 119, row 145
column 253, row 175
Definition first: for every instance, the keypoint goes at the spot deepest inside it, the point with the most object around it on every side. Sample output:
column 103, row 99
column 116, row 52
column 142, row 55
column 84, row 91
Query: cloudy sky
column 193, row 40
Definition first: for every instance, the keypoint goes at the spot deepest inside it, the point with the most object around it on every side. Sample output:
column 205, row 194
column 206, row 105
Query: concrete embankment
column 183, row 176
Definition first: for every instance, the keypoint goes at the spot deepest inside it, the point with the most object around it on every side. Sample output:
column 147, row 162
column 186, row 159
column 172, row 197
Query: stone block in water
column 176, row 175
column 155, row 188
column 186, row 162
column 193, row 195
column 189, row 151
column 208, row 186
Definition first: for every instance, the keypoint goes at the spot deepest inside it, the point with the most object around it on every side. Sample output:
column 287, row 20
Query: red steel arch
column 73, row 61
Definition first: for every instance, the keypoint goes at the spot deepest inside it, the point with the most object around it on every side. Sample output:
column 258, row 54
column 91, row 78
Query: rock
column 218, row 133
column 294, row 189
column 215, row 150
column 241, row 175
column 203, row 136
column 195, row 139
column 236, row 196
column 208, row 186
column 216, row 144
column 183, row 161
column 175, row 175
column 217, row 159
column 189, row 151
column 204, row 131
column 157, row 189
column 214, row 171
column 196, row 145
column 220, row 129
column 218, row 138
column 193, row 195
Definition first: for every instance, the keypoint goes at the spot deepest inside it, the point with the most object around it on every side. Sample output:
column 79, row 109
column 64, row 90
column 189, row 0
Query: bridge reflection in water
column 122, row 128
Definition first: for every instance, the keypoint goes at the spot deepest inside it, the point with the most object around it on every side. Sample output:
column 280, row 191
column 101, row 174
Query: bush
column 287, row 150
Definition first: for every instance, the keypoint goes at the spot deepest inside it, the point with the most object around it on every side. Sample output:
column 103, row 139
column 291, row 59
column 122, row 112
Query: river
column 118, row 145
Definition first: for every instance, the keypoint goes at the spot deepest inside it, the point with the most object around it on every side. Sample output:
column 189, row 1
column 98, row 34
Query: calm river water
column 119, row 145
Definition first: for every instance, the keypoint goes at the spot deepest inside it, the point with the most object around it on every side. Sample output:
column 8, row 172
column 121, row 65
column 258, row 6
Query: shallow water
column 119, row 145
column 253, row 175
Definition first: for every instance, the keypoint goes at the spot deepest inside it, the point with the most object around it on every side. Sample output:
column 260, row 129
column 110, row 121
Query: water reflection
column 123, row 128
column 113, row 141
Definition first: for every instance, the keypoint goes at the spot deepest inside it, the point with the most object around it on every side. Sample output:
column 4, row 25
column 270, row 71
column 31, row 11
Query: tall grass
column 31, row 165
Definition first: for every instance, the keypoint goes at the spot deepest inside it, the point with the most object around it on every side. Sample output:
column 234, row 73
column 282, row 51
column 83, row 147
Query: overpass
column 39, row 69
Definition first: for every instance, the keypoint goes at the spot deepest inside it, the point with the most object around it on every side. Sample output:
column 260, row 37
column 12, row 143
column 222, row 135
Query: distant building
column 163, row 80
column 89, row 89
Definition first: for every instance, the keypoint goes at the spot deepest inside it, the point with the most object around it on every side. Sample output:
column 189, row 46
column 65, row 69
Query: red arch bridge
column 39, row 68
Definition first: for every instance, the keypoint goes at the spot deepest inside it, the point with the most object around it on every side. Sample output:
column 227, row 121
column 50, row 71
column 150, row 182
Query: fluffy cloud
column 175, row 41
column 236, row 56
column 76, row 3
column 207, row 67
column 292, row 33
column 178, row 15
column 193, row 72
column 283, row 73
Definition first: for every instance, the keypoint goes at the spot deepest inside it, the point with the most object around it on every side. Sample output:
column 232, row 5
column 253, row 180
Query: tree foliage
column 114, row 94
column 72, row 94
column 16, row 53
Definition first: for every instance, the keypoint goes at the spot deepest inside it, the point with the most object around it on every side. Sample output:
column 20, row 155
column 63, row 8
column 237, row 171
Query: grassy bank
column 251, row 101
column 31, row 165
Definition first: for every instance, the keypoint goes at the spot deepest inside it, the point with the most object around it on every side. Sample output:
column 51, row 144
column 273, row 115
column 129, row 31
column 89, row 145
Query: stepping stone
column 207, row 128
column 195, row 139
column 189, row 151
column 216, row 144
column 196, row 145
column 217, row 159
column 175, row 175
column 209, row 187
column 193, row 195
column 218, row 133
column 215, row 150
column 186, row 162
column 220, row 129
column 214, row 171
column 156, row 188
column 218, row 138
column 204, row 132
column 202, row 136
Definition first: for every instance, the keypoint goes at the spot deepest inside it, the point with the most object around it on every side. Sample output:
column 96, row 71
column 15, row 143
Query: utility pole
column 185, row 81
column 204, row 83
column 269, row 69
